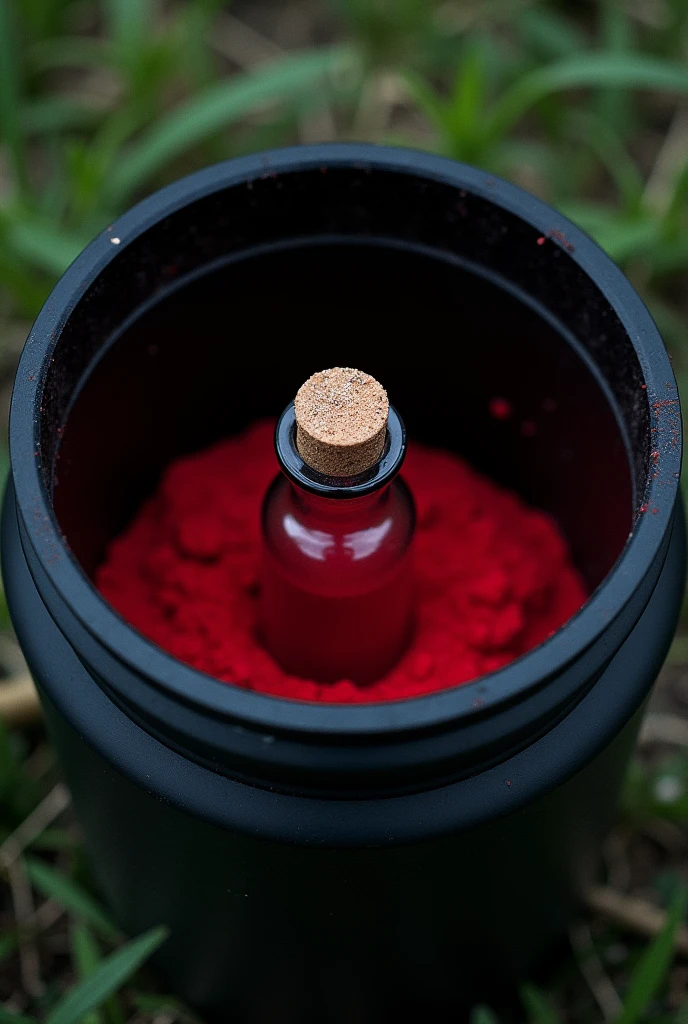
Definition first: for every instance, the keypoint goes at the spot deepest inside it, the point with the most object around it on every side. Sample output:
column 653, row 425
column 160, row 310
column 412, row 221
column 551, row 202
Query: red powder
column 494, row 577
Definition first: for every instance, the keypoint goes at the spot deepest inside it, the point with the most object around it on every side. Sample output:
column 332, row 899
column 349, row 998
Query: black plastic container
column 323, row 863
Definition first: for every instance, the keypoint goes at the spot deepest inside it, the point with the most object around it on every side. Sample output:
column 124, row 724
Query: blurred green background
column 102, row 101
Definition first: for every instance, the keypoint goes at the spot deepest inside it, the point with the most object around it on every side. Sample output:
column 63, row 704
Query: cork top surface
column 341, row 417
column 341, row 406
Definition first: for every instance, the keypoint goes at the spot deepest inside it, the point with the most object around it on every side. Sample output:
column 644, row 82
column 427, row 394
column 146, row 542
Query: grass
column 585, row 104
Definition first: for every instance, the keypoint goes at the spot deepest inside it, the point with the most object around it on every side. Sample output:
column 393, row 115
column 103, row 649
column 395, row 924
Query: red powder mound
column 494, row 576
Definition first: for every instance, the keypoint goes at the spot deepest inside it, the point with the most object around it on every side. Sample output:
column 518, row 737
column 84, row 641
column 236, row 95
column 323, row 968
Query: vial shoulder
column 336, row 533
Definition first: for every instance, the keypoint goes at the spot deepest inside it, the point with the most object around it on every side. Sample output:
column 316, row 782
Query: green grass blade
column 670, row 256
column 537, row 1006
column 585, row 70
column 87, row 958
column 433, row 106
column 653, row 966
column 682, row 1015
column 613, row 104
column 595, row 133
column 483, row 1015
column 67, row 52
column 55, row 839
column 8, row 944
column 674, row 329
column 221, row 105
column 19, row 792
column 50, row 115
column 42, row 19
column 156, row 1005
column 549, row 33
column 70, row 895
column 673, row 216
column 28, row 293
column 129, row 25
column 195, row 25
column 108, row 977
column 14, row 1018
column 9, row 764
column 621, row 237
column 44, row 246
column 85, row 950
column 466, row 112
column 10, row 96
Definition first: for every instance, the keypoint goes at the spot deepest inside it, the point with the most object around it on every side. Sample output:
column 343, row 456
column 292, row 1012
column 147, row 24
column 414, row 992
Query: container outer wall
column 263, row 931
column 268, row 931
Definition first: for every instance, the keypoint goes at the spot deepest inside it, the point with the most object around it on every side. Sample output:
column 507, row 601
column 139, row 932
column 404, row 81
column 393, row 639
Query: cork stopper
column 341, row 419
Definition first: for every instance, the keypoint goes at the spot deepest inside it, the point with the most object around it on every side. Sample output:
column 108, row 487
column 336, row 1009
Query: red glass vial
column 337, row 588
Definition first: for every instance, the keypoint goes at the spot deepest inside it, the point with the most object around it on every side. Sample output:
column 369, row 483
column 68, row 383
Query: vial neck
column 373, row 484
column 337, row 509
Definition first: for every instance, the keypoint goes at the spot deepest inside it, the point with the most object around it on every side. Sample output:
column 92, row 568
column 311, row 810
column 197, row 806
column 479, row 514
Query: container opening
column 190, row 333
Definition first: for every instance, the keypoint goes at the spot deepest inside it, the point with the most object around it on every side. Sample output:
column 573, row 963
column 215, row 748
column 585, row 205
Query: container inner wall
column 211, row 351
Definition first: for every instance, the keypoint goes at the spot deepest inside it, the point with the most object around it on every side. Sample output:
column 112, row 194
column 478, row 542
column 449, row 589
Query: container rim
column 531, row 670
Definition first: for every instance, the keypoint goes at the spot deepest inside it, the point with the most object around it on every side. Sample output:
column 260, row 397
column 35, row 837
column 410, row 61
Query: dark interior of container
column 192, row 332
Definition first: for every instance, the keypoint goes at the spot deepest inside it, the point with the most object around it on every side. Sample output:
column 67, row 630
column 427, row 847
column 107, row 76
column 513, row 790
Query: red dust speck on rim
column 500, row 408
column 561, row 238
column 493, row 577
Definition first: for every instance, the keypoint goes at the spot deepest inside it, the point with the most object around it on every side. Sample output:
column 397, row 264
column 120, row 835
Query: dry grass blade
column 48, row 914
column 47, row 811
column 666, row 834
column 22, row 899
column 243, row 45
column 22, row 902
column 663, row 728
column 379, row 96
column 633, row 914
column 19, row 703
column 592, row 969
column 318, row 126
column 615, row 853
column 247, row 48
column 669, row 163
